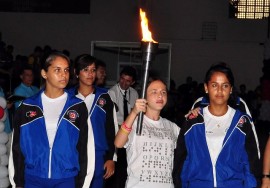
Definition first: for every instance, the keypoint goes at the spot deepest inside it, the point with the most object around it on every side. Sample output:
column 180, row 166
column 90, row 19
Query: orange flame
column 147, row 35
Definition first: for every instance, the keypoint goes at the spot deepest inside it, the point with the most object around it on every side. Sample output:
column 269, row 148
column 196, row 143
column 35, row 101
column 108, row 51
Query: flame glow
column 147, row 35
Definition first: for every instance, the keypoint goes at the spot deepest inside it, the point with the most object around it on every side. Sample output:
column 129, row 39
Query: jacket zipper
column 50, row 157
column 50, row 164
column 215, row 174
column 59, row 120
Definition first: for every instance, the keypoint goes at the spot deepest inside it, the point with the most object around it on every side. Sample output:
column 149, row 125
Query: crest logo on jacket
column 72, row 115
column 241, row 122
column 31, row 114
column 101, row 102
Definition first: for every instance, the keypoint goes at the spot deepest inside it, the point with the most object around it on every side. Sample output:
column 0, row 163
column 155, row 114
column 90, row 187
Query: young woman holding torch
column 150, row 155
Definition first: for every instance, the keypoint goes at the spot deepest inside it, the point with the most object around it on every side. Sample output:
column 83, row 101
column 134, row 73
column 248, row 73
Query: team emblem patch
column 101, row 102
column 31, row 114
column 72, row 115
column 241, row 122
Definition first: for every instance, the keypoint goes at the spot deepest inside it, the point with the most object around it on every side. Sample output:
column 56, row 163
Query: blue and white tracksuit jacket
column 101, row 117
column 235, row 164
column 30, row 150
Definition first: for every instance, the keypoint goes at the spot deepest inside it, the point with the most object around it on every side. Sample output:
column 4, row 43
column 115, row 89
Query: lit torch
column 149, row 48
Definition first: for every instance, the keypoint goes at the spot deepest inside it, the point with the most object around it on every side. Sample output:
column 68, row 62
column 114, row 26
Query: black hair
column 225, row 69
column 51, row 57
column 83, row 61
column 130, row 71
column 25, row 67
column 220, row 67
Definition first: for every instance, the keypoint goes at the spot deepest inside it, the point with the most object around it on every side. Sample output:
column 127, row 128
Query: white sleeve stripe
column 90, row 156
column 11, row 169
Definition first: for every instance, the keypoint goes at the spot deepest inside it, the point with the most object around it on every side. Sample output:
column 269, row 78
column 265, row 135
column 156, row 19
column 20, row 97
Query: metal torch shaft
column 148, row 49
column 140, row 116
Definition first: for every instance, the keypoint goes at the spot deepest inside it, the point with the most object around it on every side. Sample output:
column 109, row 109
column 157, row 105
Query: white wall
column 177, row 22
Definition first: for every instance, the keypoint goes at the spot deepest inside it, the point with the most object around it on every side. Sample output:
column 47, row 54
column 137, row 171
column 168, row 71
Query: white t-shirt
column 88, row 100
column 52, row 109
column 150, row 156
column 216, row 128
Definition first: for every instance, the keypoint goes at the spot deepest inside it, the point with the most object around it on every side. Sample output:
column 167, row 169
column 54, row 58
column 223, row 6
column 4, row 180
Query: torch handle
column 139, row 124
column 148, row 49
column 140, row 116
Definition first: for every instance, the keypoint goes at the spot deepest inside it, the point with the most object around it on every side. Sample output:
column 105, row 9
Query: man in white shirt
column 119, row 92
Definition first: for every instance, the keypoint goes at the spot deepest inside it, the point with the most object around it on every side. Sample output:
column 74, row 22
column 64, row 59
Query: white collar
column 122, row 90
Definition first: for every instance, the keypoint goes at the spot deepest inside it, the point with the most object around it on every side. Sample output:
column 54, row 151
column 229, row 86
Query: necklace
column 219, row 121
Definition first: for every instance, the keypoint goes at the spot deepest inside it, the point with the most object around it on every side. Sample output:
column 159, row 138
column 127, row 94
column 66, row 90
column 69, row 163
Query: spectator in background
column 186, row 93
column 100, row 73
column 25, row 89
column 6, row 59
column 9, row 55
column 19, row 63
column 2, row 50
column 123, row 94
column 127, row 79
column 243, row 92
column 34, row 61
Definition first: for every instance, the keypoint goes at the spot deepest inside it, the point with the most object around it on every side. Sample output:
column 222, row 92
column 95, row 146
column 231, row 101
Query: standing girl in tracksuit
column 100, row 111
column 219, row 147
column 50, row 137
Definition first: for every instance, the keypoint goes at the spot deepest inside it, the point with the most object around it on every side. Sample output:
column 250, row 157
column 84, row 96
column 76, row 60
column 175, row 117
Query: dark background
column 46, row 6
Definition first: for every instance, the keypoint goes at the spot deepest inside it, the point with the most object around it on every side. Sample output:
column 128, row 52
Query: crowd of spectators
column 11, row 66
column 180, row 100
